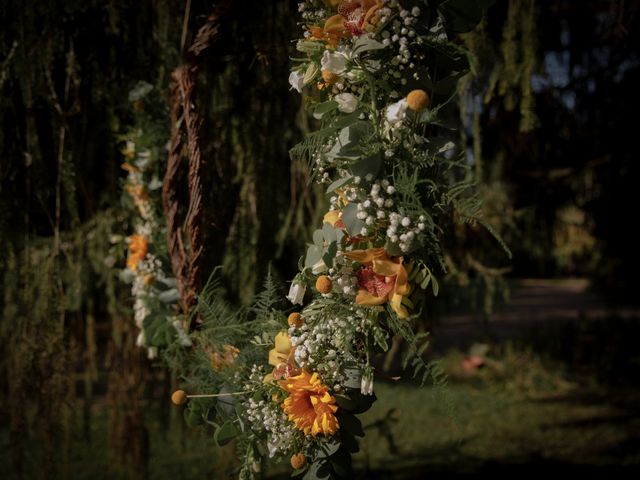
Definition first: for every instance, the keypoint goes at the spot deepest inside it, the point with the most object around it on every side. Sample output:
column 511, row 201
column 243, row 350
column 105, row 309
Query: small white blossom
column 396, row 112
column 296, row 293
column 296, row 80
column 334, row 62
column 347, row 102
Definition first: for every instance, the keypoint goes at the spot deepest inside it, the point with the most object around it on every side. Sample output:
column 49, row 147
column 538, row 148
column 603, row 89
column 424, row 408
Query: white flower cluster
column 374, row 208
column 400, row 34
column 317, row 344
column 342, row 276
column 268, row 417
column 403, row 230
column 312, row 11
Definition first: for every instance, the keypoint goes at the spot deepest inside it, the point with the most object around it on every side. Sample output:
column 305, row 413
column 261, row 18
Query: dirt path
column 533, row 302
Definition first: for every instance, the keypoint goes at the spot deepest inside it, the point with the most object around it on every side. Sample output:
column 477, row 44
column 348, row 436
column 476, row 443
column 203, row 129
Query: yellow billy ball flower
column 417, row 100
column 179, row 397
column 295, row 320
column 323, row 284
column 298, row 461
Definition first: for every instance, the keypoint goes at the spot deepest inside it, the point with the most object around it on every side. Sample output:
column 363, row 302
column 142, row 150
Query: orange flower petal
column 365, row 298
column 396, row 305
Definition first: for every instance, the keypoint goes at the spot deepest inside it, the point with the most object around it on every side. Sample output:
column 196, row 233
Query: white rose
column 296, row 79
column 396, row 111
column 334, row 62
column 347, row 102
column 296, row 293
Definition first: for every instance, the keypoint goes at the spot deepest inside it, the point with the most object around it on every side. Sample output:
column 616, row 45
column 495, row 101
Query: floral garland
column 153, row 289
column 379, row 76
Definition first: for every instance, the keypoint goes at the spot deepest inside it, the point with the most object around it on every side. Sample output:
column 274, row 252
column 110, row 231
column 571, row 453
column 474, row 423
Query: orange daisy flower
column 138, row 246
column 309, row 405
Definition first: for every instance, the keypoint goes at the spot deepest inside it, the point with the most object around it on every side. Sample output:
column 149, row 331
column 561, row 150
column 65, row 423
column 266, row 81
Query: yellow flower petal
column 396, row 305
column 332, row 217
column 335, row 26
column 386, row 267
column 283, row 342
column 366, row 256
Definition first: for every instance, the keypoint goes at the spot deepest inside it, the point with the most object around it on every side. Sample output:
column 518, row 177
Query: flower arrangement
column 379, row 77
column 152, row 286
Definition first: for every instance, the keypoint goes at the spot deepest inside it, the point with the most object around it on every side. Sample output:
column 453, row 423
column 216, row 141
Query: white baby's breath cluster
column 342, row 274
column 400, row 35
column 320, row 344
column 268, row 418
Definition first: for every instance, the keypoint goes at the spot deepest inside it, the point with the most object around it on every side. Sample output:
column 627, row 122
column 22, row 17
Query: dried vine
column 186, row 122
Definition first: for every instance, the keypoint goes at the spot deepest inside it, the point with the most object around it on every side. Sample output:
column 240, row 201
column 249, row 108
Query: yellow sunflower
column 309, row 405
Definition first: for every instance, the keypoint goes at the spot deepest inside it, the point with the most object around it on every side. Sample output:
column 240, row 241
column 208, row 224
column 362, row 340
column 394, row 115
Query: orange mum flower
column 138, row 246
column 309, row 405
column 354, row 17
column 219, row 361
column 381, row 279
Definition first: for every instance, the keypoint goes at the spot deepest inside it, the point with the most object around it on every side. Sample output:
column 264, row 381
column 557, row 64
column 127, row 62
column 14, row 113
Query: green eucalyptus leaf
column 362, row 402
column 331, row 253
column 365, row 43
column 318, row 470
column 314, row 255
column 325, row 107
column 327, row 449
column 344, row 401
column 341, row 463
column 435, row 287
column 352, row 224
column 225, row 433
column 350, row 423
column 328, row 233
column 393, row 249
column 193, row 415
column 367, row 166
column 318, row 237
column 339, row 183
column 349, row 442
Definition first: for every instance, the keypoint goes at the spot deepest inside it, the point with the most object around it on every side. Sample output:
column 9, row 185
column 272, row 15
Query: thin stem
column 213, row 395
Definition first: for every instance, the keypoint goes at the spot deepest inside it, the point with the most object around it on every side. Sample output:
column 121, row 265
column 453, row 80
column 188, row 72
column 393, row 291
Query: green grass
column 529, row 410
column 493, row 426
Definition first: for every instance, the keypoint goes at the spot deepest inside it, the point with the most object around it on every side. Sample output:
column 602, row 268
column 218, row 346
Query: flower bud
column 179, row 397
column 298, row 461
column 323, row 284
column 295, row 320
column 329, row 77
column 418, row 100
